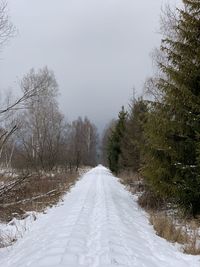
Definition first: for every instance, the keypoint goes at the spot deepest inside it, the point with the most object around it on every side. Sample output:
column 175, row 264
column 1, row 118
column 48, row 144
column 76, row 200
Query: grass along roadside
column 18, row 208
column 168, row 222
column 184, row 232
column 35, row 194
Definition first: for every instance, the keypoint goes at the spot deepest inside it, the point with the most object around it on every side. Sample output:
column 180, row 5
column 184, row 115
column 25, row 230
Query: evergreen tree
column 104, row 142
column 114, row 142
column 132, row 143
column 173, row 129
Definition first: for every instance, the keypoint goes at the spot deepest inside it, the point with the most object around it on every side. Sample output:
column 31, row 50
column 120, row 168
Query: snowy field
column 99, row 224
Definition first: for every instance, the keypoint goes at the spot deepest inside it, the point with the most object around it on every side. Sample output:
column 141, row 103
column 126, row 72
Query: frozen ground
column 98, row 225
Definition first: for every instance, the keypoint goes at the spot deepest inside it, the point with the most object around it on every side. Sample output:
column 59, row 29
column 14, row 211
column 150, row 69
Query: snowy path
column 98, row 225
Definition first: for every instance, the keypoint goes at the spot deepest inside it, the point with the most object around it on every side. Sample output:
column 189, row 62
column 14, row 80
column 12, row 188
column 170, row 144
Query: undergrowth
column 35, row 194
column 167, row 220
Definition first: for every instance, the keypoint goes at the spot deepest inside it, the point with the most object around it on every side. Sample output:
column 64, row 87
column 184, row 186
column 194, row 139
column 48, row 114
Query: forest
column 159, row 135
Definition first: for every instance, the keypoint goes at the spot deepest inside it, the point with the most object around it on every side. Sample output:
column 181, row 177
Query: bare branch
column 24, row 201
column 7, row 30
column 7, row 188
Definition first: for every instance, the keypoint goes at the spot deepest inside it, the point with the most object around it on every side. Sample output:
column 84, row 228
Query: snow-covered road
column 98, row 225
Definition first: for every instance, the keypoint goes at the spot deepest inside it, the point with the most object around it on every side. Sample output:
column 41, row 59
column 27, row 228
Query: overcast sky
column 98, row 49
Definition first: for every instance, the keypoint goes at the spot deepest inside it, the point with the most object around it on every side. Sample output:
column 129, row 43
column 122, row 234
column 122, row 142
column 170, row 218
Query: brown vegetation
column 165, row 227
column 167, row 221
column 132, row 180
column 150, row 202
column 185, row 233
column 35, row 194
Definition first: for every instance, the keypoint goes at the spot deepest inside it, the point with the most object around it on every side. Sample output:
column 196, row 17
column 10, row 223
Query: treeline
column 123, row 140
column 35, row 134
column 161, row 138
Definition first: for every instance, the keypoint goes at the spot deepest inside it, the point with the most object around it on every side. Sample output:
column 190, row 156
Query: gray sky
column 98, row 49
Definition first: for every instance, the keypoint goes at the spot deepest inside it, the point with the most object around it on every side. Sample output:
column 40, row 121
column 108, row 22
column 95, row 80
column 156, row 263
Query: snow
column 99, row 224
column 16, row 228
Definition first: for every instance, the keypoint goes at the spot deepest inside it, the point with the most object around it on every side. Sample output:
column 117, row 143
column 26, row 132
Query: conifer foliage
column 133, row 141
column 126, row 138
column 173, row 130
column 114, row 142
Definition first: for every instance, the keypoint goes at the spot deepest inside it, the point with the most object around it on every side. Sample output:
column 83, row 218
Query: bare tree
column 7, row 29
column 151, row 89
column 168, row 29
column 41, row 133
column 32, row 86
column 83, row 140
column 169, row 22
column 91, row 141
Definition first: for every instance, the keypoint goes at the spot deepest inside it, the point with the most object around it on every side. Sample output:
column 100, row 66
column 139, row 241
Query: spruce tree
column 132, row 143
column 173, row 130
column 114, row 142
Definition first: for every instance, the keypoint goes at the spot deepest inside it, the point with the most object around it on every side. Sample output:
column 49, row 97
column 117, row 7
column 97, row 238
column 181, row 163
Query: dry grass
column 150, row 202
column 35, row 194
column 165, row 227
column 193, row 247
column 133, row 181
column 135, row 184
column 186, row 233
column 167, row 221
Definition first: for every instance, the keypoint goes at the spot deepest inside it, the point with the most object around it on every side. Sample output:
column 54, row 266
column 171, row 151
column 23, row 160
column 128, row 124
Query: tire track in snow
column 98, row 243
column 76, row 244
column 120, row 251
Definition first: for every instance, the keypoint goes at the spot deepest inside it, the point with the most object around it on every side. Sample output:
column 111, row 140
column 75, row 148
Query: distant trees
column 10, row 107
column 134, row 139
column 115, row 140
column 40, row 139
column 104, row 142
column 83, row 140
column 44, row 140
column 34, row 100
column 124, row 139
column 42, row 123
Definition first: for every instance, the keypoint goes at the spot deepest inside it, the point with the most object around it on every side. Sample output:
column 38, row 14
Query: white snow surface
column 98, row 225
column 16, row 228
